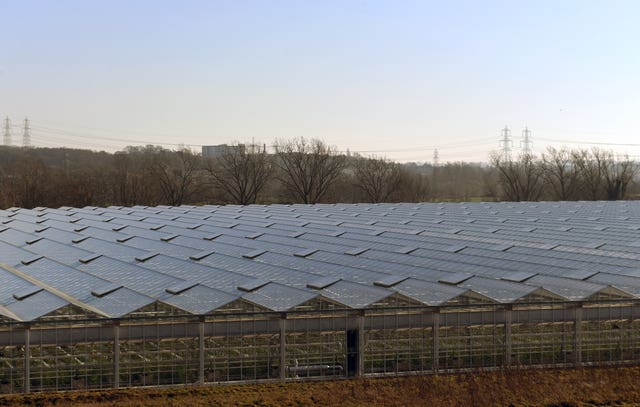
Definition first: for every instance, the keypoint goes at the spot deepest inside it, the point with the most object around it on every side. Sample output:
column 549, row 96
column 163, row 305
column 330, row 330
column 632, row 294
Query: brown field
column 573, row 387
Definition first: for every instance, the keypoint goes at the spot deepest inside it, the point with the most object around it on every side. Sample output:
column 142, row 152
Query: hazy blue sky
column 395, row 77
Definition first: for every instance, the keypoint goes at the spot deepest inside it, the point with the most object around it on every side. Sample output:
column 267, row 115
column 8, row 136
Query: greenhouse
column 146, row 296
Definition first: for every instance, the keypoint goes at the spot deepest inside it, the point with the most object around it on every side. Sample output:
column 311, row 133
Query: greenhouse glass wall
column 96, row 298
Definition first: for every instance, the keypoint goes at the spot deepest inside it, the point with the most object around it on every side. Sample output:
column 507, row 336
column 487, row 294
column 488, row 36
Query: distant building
column 220, row 149
column 214, row 151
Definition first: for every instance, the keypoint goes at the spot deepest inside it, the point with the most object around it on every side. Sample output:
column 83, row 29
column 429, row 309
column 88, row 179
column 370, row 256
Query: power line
column 51, row 135
column 506, row 141
column 84, row 129
column 55, row 142
column 73, row 134
column 600, row 143
column 461, row 143
column 450, row 146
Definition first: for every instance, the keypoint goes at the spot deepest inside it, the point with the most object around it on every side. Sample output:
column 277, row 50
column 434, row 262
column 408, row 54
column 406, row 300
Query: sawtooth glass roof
column 112, row 262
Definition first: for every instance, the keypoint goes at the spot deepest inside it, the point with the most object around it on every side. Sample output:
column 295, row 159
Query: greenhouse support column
column 360, row 370
column 508, row 314
column 201, row 351
column 577, row 346
column 27, row 359
column 116, row 354
column 632, row 343
column 435, row 331
column 283, row 347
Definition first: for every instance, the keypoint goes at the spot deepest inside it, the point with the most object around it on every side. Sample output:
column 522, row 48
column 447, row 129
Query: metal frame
column 255, row 346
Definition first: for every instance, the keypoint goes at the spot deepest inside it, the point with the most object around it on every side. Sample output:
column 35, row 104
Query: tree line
column 566, row 175
column 295, row 171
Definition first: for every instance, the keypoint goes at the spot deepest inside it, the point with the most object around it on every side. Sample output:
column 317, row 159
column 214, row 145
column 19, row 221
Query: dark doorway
column 353, row 349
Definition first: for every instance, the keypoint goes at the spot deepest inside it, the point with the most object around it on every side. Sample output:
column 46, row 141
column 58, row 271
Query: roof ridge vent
column 501, row 247
column 390, row 281
column 89, row 259
column 27, row 292
column 168, row 238
column 31, row 259
column 146, row 257
column 305, row 252
column 180, row 287
column 455, row 248
column 518, row 276
column 252, row 285
column 406, row 249
column 105, row 290
column 454, row 278
column 356, row 251
column 201, row 255
column 323, row 283
column 253, row 254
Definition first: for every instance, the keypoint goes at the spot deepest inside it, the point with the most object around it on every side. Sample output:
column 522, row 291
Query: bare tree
column 131, row 183
column 520, row 179
column 591, row 166
column 6, row 193
column 490, row 183
column 175, row 174
column 378, row 178
column 308, row 168
column 560, row 174
column 242, row 171
column 412, row 186
column 618, row 174
column 459, row 180
column 30, row 182
column 79, row 187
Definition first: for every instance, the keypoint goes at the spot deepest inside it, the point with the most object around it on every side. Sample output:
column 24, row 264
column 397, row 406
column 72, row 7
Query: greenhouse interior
column 94, row 298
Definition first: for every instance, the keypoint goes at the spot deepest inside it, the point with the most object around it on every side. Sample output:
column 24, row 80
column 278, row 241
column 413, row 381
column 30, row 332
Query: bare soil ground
column 535, row 387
